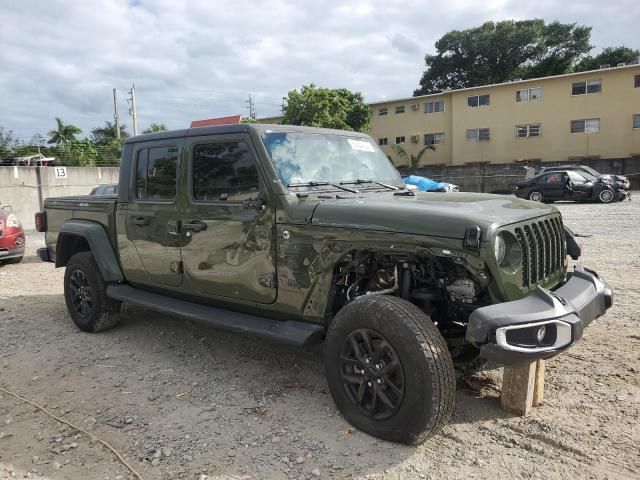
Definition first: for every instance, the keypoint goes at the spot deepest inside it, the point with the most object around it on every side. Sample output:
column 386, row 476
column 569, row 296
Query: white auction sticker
column 360, row 145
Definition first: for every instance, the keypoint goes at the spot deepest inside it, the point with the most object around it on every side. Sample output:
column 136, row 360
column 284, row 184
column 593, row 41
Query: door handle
column 141, row 221
column 258, row 204
column 195, row 226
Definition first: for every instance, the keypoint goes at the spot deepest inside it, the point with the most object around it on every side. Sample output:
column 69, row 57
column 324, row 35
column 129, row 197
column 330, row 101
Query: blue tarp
column 425, row 184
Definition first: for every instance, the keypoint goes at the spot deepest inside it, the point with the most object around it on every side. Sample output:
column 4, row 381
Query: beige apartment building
column 568, row 117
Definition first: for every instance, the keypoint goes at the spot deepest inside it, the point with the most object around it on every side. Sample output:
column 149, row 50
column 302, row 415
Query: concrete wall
column 24, row 188
column 491, row 178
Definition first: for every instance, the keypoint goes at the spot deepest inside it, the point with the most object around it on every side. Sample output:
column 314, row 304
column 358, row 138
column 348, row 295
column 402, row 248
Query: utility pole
column 132, row 109
column 115, row 113
column 284, row 104
column 252, row 111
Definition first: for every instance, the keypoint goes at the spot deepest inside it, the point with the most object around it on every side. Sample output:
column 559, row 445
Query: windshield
column 594, row 173
column 311, row 158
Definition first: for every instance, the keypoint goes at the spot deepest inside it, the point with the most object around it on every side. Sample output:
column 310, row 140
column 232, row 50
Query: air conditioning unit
column 621, row 64
column 415, row 138
column 606, row 65
column 415, row 106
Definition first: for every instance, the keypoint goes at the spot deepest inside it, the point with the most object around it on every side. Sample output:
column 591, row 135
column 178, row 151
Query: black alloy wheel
column 81, row 297
column 372, row 374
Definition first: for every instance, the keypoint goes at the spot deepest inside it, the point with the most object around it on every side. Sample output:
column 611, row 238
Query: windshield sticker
column 360, row 145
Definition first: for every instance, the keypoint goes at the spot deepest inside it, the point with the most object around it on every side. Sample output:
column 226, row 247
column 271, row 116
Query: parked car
column 304, row 235
column 106, row 189
column 619, row 180
column 570, row 185
column 11, row 237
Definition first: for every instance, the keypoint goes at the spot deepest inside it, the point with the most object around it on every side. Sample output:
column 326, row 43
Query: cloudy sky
column 201, row 58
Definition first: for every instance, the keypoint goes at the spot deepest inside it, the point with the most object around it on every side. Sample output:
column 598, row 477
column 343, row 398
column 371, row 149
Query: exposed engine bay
column 441, row 287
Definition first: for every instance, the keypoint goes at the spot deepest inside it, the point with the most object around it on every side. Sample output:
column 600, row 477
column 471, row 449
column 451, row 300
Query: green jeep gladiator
column 305, row 235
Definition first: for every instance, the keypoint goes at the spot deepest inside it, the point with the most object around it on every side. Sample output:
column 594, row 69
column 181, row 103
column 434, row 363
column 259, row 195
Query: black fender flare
column 97, row 239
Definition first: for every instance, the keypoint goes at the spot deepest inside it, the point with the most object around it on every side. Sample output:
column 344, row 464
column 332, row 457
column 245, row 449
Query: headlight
column 499, row 249
column 12, row 221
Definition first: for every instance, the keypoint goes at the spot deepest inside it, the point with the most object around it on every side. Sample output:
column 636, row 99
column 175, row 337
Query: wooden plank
column 538, row 389
column 517, row 388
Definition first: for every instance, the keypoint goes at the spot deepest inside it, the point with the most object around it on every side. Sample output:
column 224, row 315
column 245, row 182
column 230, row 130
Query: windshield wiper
column 360, row 182
column 323, row 184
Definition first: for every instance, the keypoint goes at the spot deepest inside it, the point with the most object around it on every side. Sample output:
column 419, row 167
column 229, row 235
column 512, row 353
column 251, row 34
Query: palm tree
column 156, row 127
column 414, row 160
column 64, row 135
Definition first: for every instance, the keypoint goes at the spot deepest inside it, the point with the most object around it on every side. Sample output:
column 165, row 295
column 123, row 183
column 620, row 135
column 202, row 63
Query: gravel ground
column 180, row 400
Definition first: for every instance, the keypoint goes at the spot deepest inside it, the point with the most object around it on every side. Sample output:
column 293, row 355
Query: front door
column 152, row 216
column 581, row 186
column 228, row 222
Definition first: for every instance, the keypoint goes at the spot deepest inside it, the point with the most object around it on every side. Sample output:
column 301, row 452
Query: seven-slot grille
column 543, row 249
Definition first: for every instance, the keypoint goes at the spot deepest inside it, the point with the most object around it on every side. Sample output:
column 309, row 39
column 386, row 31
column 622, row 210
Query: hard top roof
column 238, row 128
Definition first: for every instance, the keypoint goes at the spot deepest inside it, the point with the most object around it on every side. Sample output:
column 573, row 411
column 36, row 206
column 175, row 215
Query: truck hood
column 434, row 214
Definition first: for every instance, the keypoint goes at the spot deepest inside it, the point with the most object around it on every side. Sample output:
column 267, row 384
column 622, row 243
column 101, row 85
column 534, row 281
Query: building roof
column 212, row 122
column 513, row 82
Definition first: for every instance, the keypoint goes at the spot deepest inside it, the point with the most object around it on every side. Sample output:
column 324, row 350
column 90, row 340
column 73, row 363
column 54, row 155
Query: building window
column 383, row 141
column 434, row 107
column 478, row 100
column 434, row 138
column 530, row 130
column 382, row 111
column 636, row 121
column 400, row 109
column 399, row 140
column 636, row 81
column 529, row 94
column 590, row 125
column 584, row 88
column 478, row 134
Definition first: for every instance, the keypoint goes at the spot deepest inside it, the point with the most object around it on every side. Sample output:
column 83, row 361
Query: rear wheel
column 85, row 294
column 536, row 196
column 389, row 369
column 606, row 196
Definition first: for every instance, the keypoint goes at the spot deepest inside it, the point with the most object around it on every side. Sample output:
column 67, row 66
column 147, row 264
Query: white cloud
column 201, row 58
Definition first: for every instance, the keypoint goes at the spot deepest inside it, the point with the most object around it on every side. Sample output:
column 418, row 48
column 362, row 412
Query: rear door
column 152, row 215
column 552, row 186
column 228, row 221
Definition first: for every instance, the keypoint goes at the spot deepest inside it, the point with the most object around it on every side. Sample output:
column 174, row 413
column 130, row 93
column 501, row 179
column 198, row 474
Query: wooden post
column 538, row 389
column 522, row 387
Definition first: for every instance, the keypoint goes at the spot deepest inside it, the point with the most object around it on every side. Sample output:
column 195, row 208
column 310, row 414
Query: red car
column 11, row 237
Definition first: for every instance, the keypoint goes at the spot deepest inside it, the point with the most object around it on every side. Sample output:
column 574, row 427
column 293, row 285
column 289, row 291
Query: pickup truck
column 308, row 236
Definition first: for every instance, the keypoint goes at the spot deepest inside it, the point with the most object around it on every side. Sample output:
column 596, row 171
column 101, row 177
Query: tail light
column 12, row 221
column 41, row 221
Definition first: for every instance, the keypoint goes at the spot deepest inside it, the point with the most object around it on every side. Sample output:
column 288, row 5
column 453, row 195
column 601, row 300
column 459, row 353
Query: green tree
column 79, row 153
column 322, row 107
column 64, row 134
column 248, row 120
column 413, row 160
column 107, row 145
column 156, row 127
column 609, row 56
column 7, row 142
column 499, row 51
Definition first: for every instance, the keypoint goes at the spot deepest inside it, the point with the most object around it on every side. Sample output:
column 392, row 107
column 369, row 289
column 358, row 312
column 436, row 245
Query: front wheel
column 85, row 294
column 606, row 196
column 389, row 369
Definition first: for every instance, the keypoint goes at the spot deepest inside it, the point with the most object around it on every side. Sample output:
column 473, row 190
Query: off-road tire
column 536, row 196
column 429, row 380
column 606, row 196
column 103, row 312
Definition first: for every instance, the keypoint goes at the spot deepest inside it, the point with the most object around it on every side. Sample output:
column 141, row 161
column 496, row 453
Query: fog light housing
column 542, row 331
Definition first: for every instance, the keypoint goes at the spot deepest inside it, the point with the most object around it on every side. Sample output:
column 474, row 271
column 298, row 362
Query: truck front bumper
column 541, row 325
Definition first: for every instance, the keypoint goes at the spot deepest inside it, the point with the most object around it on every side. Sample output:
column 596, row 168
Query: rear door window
column 156, row 170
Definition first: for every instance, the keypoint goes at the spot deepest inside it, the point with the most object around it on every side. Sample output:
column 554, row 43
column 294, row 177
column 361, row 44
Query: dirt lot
column 184, row 401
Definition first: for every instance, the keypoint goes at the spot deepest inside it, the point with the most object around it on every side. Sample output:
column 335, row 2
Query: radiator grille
column 543, row 250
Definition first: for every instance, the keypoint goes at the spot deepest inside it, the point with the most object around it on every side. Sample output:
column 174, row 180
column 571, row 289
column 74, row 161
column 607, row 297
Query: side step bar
column 288, row 332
